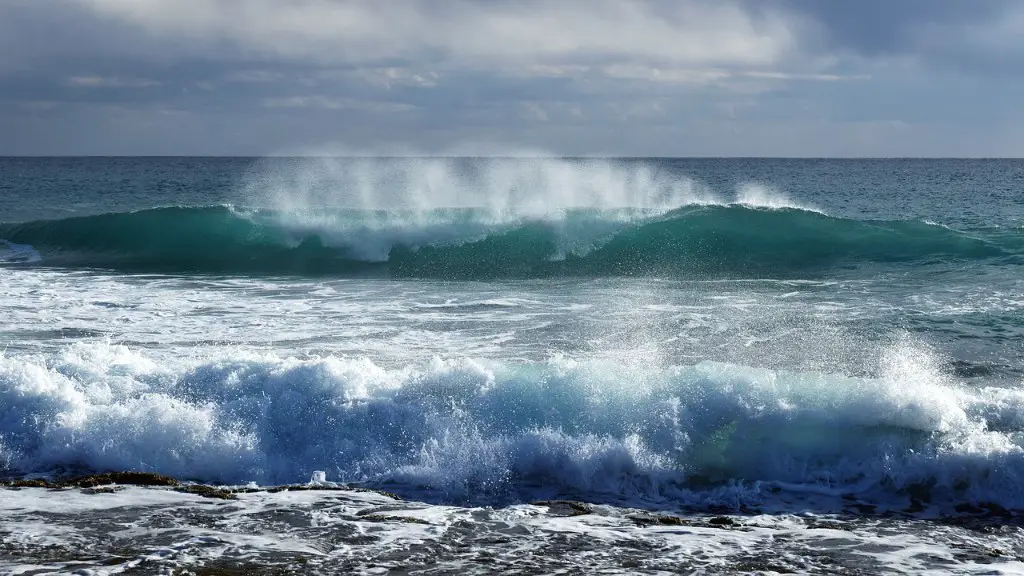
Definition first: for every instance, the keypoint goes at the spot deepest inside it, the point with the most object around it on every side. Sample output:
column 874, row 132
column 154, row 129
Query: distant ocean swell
column 477, row 430
column 717, row 240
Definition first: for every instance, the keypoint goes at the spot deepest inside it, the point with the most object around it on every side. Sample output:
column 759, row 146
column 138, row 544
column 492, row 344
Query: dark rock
column 102, row 490
column 30, row 484
column 651, row 520
column 827, row 525
column 126, row 478
column 94, row 481
column 383, row 518
column 391, row 495
column 207, row 491
column 671, row 521
column 566, row 507
column 317, row 487
column 722, row 521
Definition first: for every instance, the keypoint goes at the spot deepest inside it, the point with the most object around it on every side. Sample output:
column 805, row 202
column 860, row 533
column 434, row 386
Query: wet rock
column 207, row 492
column 94, row 480
column 566, row 507
column 827, row 525
column 316, row 487
column 126, row 478
column 380, row 510
column 658, row 520
column 102, row 490
column 110, row 482
column 35, row 483
column 722, row 521
column 383, row 518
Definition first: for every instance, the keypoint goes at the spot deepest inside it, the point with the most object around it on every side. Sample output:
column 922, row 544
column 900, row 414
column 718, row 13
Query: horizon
column 492, row 157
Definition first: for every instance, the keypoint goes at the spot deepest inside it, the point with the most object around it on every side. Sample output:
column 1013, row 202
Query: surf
column 691, row 241
column 465, row 430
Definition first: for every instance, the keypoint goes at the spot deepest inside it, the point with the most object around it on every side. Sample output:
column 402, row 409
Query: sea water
column 826, row 354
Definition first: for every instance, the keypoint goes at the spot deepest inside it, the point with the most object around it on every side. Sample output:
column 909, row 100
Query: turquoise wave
column 690, row 242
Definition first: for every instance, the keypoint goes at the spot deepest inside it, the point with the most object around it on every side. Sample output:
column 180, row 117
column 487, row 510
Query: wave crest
column 692, row 241
column 489, row 430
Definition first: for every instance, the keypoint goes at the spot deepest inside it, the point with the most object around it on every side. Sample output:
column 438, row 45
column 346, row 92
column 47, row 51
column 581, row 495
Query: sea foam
column 478, row 430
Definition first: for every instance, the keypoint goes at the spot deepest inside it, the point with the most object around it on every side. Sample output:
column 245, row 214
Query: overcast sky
column 576, row 77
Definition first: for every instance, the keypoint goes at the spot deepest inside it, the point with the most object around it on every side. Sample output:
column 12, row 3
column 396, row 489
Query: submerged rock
column 383, row 518
column 93, row 482
column 566, row 507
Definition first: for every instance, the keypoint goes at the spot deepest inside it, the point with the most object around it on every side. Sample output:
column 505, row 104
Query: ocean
column 511, row 365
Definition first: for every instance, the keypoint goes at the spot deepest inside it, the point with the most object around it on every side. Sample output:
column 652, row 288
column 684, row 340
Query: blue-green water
column 831, row 352
column 479, row 329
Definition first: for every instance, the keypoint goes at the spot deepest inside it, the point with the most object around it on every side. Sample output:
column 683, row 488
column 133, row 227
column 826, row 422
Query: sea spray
column 471, row 429
column 503, row 189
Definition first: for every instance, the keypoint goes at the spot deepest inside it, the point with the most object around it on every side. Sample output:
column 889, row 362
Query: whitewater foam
column 756, row 195
column 344, row 532
column 17, row 253
column 468, row 430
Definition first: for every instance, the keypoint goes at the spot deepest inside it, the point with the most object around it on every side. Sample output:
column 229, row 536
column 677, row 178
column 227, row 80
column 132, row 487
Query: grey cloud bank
column 596, row 77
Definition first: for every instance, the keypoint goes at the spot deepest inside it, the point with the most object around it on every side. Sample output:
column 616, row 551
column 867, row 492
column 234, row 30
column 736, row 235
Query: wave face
column 692, row 241
column 487, row 431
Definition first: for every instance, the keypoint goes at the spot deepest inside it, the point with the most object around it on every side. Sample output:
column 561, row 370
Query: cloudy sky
column 577, row 77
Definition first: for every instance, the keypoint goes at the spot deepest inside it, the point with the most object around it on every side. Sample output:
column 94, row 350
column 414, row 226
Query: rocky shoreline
column 919, row 501
column 329, row 528
column 112, row 481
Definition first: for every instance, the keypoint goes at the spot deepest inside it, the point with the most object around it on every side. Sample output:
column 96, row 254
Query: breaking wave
column 725, row 240
column 484, row 430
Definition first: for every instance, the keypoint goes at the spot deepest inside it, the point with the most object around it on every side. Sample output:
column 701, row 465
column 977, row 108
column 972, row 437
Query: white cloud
column 255, row 76
column 110, row 82
column 327, row 103
column 580, row 76
column 529, row 33
column 391, row 76
column 669, row 75
column 533, row 111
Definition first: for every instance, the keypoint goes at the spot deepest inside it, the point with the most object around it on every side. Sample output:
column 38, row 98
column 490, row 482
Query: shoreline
column 146, row 523
column 919, row 508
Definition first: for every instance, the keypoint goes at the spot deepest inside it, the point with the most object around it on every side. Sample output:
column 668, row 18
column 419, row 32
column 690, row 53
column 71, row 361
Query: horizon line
column 495, row 156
